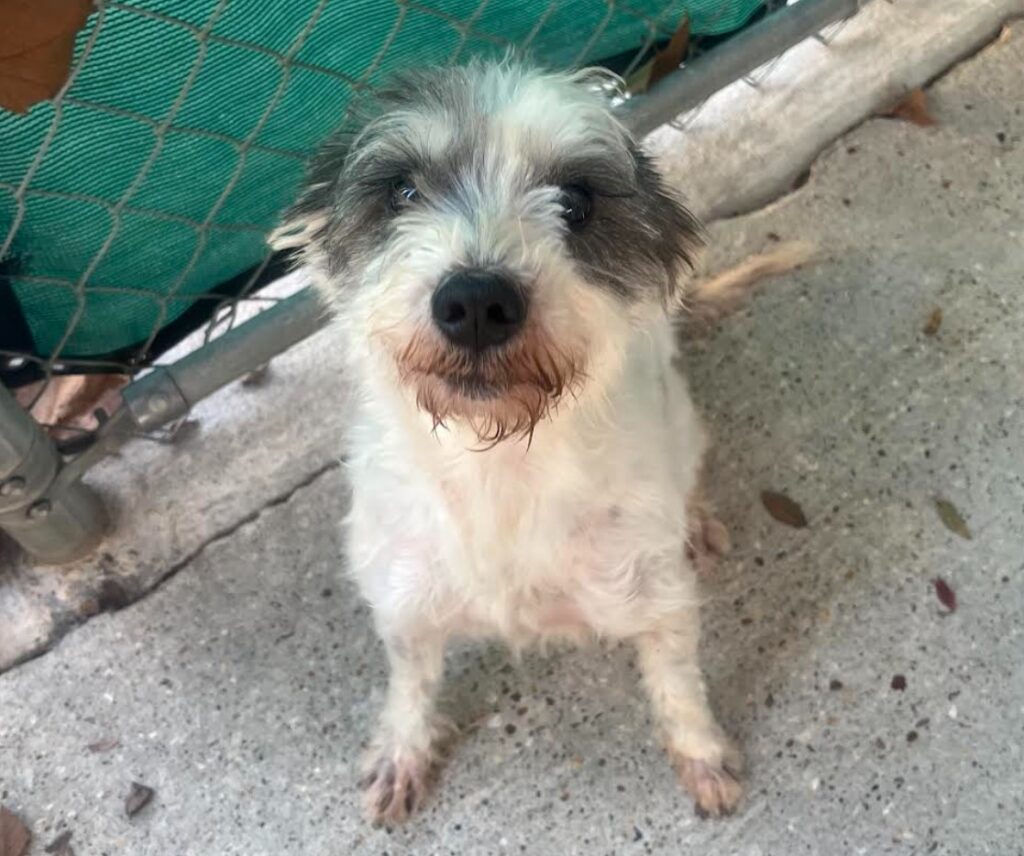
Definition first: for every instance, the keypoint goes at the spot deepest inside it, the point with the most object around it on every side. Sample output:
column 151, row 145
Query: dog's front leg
column 707, row 762
column 400, row 763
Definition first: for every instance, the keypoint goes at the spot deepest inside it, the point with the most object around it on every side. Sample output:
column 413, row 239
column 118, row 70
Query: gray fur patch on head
column 639, row 241
column 490, row 145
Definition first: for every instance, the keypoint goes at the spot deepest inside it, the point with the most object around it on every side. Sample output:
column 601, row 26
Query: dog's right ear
column 298, row 229
column 306, row 221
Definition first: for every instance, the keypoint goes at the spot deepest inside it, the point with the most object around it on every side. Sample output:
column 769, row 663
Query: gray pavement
column 242, row 688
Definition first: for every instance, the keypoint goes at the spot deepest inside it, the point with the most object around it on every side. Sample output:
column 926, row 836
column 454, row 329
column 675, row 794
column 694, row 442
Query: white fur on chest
column 582, row 530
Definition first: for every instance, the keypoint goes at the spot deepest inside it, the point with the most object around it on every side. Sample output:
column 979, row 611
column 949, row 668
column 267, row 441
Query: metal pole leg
column 54, row 521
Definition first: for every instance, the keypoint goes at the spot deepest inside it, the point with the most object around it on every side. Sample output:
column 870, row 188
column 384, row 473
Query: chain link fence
column 134, row 205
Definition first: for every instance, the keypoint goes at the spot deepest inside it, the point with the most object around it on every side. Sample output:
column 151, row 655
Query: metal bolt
column 14, row 486
column 158, row 403
column 39, row 509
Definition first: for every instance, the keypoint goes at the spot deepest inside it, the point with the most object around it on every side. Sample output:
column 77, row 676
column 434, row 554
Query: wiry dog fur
column 546, row 487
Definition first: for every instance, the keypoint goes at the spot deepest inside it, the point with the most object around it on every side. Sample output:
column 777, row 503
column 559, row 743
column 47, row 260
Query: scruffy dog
column 504, row 265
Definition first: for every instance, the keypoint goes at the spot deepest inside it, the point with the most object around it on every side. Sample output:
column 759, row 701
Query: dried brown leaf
column 107, row 743
column 68, row 404
column 37, row 42
column 952, row 519
column 663, row 63
column 668, row 60
column 934, row 321
column 913, row 108
column 14, row 835
column 783, row 509
column 946, row 595
column 138, row 798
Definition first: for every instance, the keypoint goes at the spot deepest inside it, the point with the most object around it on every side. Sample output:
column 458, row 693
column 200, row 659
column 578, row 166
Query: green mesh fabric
column 183, row 132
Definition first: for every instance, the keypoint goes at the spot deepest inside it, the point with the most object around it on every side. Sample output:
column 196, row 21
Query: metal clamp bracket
column 54, row 521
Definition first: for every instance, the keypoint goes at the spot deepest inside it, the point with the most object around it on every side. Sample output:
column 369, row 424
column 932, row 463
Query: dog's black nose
column 478, row 309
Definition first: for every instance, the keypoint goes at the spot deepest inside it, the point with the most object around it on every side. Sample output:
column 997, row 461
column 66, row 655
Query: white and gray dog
column 504, row 265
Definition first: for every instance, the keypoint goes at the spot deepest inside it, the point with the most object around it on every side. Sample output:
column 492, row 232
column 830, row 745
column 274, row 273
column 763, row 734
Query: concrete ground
column 242, row 688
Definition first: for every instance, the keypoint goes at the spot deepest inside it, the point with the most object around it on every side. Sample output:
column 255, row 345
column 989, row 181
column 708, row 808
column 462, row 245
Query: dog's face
column 490, row 240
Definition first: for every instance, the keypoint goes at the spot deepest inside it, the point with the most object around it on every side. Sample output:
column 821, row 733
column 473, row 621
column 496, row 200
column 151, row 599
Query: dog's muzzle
column 477, row 309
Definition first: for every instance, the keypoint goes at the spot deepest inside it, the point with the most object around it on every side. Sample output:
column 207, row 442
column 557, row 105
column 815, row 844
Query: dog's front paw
column 395, row 783
column 712, row 779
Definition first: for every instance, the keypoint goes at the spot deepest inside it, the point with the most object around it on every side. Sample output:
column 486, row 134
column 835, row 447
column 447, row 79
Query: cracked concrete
column 243, row 687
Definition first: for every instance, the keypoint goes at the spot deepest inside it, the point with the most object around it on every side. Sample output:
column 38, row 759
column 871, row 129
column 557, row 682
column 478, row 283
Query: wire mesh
column 460, row 29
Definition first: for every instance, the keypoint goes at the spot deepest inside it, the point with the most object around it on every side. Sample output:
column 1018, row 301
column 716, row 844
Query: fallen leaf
column 668, row 60
column 104, row 745
column 952, row 519
column 37, row 42
column 138, row 798
column 946, row 595
column 67, row 404
column 931, row 327
column 783, row 509
column 913, row 108
column 14, row 835
column 663, row 63
column 899, row 682
column 61, row 845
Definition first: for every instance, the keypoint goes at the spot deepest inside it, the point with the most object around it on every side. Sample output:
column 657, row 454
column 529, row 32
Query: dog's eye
column 403, row 193
column 577, row 204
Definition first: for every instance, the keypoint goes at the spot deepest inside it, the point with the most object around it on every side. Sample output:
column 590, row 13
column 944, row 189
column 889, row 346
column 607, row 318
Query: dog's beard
column 500, row 394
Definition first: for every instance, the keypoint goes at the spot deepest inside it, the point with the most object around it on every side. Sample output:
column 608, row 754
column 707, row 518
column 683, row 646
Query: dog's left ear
column 307, row 219
column 678, row 236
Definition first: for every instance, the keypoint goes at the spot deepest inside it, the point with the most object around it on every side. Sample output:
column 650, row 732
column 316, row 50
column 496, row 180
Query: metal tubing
column 54, row 521
column 168, row 393
column 747, row 50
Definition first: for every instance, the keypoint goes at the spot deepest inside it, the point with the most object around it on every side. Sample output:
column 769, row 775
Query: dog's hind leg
column 402, row 759
column 707, row 762
column 707, row 538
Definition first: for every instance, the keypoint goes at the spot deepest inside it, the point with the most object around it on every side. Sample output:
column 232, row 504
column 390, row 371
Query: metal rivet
column 14, row 486
column 39, row 509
